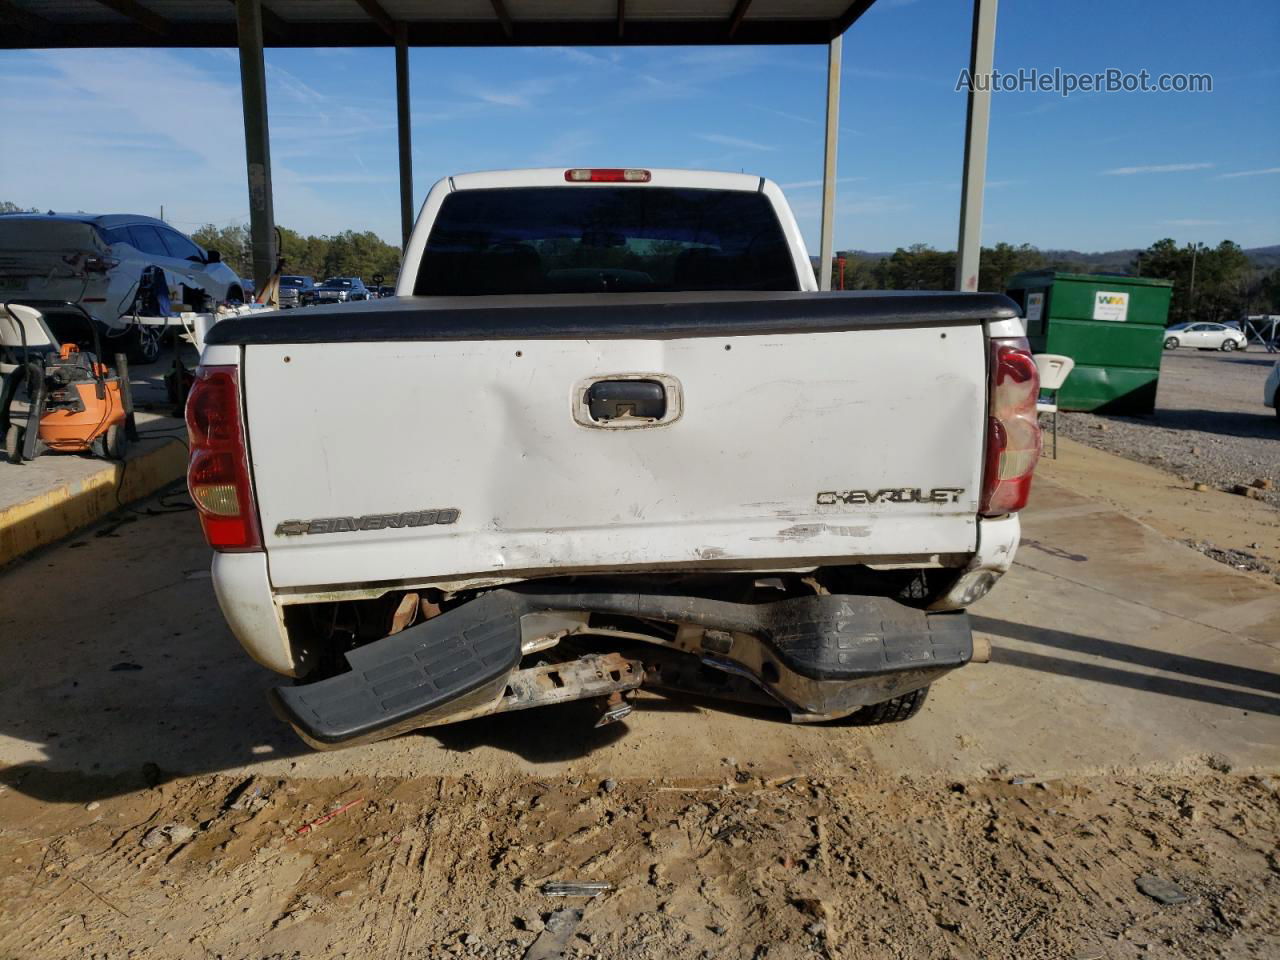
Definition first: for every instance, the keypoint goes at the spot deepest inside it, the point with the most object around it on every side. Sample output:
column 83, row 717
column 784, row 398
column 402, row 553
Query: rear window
column 528, row 240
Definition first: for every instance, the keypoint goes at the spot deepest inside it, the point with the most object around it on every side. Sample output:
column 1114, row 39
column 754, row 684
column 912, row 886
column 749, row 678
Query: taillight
column 218, row 471
column 100, row 264
column 607, row 175
column 1013, row 428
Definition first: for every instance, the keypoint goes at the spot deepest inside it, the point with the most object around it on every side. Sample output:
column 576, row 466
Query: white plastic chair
column 1054, row 369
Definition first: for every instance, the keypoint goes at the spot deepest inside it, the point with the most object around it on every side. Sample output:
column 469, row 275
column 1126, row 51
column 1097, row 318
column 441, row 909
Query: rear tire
column 145, row 343
column 1228, row 346
column 1171, row 343
column 890, row 711
column 116, row 442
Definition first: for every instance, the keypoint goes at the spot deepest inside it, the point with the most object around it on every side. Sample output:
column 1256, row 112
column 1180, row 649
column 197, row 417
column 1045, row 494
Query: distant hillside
column 1105, row 261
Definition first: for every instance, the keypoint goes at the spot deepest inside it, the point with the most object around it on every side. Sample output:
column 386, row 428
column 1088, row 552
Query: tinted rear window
column 526, row 240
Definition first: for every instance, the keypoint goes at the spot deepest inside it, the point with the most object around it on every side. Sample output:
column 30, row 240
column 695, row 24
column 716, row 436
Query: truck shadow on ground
column 568, row 732
column 1254, row 698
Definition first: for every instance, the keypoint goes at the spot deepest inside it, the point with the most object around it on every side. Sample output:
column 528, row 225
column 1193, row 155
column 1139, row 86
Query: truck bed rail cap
column 616, row 316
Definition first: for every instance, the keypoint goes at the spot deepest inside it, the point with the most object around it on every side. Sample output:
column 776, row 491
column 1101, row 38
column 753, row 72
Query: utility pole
column 1191, row 295
column 826, row 242
column 982, row 50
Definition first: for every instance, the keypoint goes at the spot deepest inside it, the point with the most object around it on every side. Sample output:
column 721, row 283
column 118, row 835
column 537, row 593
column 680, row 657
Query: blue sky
column 115, row 130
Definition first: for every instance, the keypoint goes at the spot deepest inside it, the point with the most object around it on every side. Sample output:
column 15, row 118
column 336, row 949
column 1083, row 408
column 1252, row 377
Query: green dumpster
column 1111, row 326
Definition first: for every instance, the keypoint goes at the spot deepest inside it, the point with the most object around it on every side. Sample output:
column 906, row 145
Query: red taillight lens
column 607, row 175
column 218, row 471
column 1013, row 428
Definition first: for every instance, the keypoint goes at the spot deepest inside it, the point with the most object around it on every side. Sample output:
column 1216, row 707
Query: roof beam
column 504, row 18
column 24, row 18
column 272, row 22
column 137, row 12
column 735, row 19
column 622, row 16
column 302, row 34
column 379, row 16
column 850, row 16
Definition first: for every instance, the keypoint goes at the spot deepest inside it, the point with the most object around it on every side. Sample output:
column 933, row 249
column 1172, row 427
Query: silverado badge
column 372, row 521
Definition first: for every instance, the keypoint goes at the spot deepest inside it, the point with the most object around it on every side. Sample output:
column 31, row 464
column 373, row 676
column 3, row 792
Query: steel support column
column 257, row 143
column 826, row 250
column 981, row 58
column 406, row 139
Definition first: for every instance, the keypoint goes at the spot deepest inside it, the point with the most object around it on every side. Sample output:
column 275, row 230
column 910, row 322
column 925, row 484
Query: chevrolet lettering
column 891, row 495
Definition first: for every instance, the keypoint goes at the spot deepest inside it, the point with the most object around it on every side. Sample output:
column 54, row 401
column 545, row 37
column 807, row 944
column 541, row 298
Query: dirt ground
column 1125, row 737
column 848, row 865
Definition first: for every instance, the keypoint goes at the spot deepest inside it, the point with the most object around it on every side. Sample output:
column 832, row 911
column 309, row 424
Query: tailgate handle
column 626, row 399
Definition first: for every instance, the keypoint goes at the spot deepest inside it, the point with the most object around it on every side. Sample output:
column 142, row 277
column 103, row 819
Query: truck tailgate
column 840, row 446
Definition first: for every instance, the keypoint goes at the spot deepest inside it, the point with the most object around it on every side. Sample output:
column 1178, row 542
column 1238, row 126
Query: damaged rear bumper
column 819, row 657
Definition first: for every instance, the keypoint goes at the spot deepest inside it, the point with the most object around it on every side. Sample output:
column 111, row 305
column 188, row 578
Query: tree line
column 1209, row 283
column 346, row 254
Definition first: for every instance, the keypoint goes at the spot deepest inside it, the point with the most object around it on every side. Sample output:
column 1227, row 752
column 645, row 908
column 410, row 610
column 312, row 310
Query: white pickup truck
column 608, row 434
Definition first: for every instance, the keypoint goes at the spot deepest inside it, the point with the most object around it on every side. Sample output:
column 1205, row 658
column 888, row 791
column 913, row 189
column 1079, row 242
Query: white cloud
column 807, row 184
column 1247, row 173
column 565, row 149
column 738, row 142
column 335, row 178
column 167, row 129
column 1156, row 168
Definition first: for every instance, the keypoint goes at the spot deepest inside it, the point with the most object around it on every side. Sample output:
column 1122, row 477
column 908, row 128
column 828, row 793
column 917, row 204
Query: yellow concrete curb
column 60, row 512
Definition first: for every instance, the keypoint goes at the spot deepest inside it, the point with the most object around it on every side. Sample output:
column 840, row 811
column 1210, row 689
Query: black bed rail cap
column 612, row 316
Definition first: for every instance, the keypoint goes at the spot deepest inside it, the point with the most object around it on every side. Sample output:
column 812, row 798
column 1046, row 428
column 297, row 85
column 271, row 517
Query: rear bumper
column 819, row 657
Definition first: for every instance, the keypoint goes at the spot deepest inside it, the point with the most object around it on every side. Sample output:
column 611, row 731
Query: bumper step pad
column 818, row 656
column 401, row 677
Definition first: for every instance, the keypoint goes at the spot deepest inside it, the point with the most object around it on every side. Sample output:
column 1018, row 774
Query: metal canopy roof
column 26, row 24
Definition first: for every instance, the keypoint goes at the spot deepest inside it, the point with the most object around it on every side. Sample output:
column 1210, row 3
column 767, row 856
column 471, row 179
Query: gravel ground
column 1209, row 426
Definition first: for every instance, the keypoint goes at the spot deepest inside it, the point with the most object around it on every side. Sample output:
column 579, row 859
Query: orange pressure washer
column 77, row 403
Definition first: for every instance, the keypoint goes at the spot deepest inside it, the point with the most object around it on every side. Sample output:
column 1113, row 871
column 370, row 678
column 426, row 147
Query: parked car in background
column 341, row 290
column 98, row 261
column 1271, row 389
column 384, row 291
column 1204, row 336
column 296, row 291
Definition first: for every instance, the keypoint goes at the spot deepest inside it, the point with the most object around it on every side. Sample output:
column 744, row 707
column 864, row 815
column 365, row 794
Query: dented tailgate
column 417, row 459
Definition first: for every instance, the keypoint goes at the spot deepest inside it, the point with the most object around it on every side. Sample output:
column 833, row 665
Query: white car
column 1271, row 389
column 1204, row 336
column 98, row 262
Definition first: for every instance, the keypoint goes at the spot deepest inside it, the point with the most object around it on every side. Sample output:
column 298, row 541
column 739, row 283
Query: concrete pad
column 52, row 496
column 1167, row 502
column 1114, row 649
